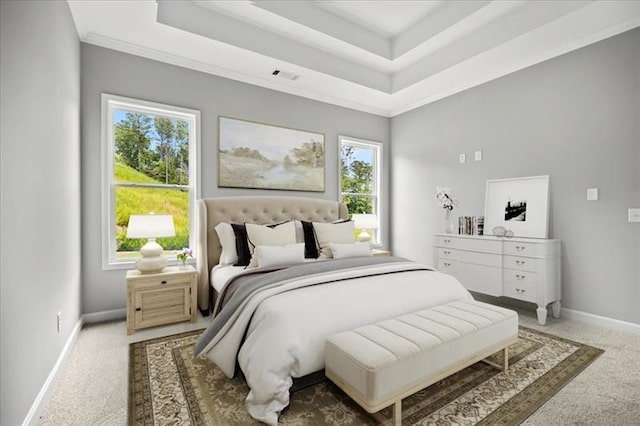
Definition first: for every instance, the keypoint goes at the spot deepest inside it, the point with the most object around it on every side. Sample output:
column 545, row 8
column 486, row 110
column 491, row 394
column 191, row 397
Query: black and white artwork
column 519, row 205
column 515, row 210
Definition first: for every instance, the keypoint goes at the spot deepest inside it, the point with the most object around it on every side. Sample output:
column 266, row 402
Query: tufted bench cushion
column 379, row 364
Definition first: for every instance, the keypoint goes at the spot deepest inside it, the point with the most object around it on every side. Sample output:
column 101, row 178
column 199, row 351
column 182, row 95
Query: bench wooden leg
column 397, row 413
column 505, row 366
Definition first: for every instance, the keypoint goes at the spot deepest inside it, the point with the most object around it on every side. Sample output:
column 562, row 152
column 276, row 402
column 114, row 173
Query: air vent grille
column 285, row 74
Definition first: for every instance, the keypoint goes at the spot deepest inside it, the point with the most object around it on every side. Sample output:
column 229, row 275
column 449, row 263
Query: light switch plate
column 463, row 158
column 478, row 156
column 592, row 194
column 634, row 215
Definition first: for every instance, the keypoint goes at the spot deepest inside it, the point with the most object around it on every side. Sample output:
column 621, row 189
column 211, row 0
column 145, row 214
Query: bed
column 277, row 331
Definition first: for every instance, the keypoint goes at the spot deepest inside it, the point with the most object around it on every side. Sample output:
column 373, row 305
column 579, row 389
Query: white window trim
column 109, row 104
column 363, row 143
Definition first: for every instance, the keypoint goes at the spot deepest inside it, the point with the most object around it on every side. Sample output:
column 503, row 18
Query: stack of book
column 471, row 225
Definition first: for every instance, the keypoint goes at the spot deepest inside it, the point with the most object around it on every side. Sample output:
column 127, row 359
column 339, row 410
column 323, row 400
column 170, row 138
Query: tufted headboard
column 256, row 209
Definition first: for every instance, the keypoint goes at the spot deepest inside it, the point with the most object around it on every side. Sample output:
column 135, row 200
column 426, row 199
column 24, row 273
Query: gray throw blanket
column 272, row 278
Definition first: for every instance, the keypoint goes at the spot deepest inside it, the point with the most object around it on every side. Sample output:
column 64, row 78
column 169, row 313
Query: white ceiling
column 383, row 57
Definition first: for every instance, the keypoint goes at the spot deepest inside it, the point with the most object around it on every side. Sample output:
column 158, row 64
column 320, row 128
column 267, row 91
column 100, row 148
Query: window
column 361, row 177
column 149, row 166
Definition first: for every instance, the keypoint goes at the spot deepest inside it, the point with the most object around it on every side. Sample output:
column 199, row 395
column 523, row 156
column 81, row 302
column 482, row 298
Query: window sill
column 131, row 264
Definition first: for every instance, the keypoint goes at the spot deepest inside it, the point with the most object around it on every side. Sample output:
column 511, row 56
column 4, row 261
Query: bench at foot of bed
column 380, row 364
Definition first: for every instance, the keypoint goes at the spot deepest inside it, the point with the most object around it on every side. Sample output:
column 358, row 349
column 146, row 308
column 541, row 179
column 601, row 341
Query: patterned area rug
column 168, row 386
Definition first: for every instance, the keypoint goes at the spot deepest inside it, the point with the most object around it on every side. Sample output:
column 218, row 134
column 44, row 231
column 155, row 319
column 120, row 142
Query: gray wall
column 40, row 168
column 108, row 71
column 575, row 118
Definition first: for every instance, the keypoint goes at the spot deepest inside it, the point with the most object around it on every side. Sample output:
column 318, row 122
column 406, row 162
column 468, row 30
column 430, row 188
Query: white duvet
column 287, row 330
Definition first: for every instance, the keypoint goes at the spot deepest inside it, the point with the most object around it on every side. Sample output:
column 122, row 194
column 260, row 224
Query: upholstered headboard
column 256, row 209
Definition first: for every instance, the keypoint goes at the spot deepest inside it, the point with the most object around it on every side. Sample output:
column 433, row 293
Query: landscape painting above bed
column 263, row 156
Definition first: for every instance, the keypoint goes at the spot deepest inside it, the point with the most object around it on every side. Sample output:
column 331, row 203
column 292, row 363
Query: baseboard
column 102, row 316
column 614, row 324
column 39, row 403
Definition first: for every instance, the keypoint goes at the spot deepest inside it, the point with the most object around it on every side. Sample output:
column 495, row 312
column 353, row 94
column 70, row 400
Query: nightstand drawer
column 521, row 291
column 520, row 263
column 155, row 281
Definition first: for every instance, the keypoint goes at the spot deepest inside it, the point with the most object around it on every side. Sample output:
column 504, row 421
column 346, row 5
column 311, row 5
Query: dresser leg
column 542, row 314
column 555, row 309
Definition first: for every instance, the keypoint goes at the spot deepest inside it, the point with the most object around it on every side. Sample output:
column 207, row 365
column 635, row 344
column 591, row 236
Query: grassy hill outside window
column 150, row 155
column 361, row 177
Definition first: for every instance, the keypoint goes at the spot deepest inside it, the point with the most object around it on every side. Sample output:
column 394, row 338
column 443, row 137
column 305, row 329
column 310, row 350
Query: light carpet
column 168, row 386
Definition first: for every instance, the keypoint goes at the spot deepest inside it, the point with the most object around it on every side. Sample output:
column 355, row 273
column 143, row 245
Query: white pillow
column 227, row 238
column 326, row 233
column 341, row 251
column 279, row 255
column 261, row 235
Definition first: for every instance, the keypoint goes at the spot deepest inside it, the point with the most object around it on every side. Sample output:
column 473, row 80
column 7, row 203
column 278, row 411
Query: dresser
column 520, row 268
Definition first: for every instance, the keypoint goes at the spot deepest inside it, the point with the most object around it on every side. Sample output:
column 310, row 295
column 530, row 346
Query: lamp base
column 152, row 259
column 364, row 236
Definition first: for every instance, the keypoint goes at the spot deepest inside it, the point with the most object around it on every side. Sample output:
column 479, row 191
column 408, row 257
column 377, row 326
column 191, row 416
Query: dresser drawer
column 520, row 291
column 447, row 266
column 447, row 253
column 480, row 278
column 518, row 248
column 480, row 244
column 520, row 263
column 519, row 277
column 478, row 258
column 446, row 241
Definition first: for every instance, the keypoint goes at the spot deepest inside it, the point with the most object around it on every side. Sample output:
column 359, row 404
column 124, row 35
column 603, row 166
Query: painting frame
column 257, row 155
column 518, row 204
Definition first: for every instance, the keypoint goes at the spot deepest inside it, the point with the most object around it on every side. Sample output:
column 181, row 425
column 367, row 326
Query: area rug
column 167, row 386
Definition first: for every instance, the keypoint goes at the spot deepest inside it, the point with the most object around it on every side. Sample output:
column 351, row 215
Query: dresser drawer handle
column 520, row 290
column 447, row 252
column 520, row 277
column 447, row 241
column 520, row 248
column 138, row 309
column 447, row 264
column 163, row 282
column 520, row 262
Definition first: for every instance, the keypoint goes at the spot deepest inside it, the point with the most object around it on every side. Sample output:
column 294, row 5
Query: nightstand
column 161, row 298
column 377, row 252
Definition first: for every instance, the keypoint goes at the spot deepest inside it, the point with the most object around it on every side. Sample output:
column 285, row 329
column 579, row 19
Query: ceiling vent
column 285, row 74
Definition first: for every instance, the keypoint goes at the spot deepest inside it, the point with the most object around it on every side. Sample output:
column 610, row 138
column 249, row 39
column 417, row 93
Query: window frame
column 109, row 104
column 377, row 177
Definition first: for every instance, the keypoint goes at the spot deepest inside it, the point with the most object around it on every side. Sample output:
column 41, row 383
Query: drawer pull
column 447, row 241
column 520, row 262
column 447, row 252
column 520, row 248
column 138, row 309
column 447, row 264
column 163, row 282
column 520, row 277
column 520, row 290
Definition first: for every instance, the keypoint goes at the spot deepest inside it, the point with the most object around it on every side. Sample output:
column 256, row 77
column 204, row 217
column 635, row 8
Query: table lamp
column 151, row 226
column 365, row 222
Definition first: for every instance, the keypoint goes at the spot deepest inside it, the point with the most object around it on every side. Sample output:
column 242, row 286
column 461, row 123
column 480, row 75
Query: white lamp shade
column 365, row 221
column 150, row 226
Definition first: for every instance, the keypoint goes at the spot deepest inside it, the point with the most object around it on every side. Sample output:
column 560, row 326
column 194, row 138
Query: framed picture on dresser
column 519, row 204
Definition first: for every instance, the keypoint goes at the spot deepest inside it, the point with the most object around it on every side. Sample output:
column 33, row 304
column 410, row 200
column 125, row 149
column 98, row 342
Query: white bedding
column 221, row 274
column 288, row 330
